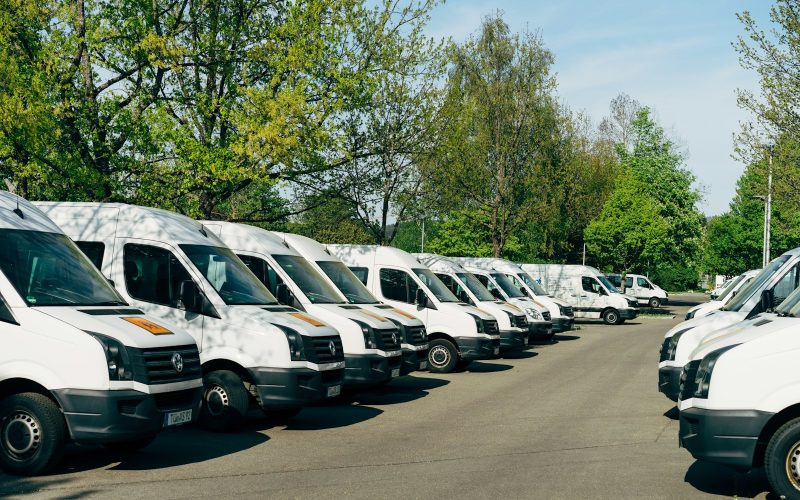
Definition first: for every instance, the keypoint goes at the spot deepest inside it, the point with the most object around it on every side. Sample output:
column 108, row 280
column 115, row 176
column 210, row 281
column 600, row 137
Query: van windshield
column 47, row 269
column 611, row 288
column 308, row 279
column 507, row 286
column 755, row 286
column 532, row 284
column 730, row 289
column 435, row 285
column 476, row 287
column 232, row 280
column 347, row 282
column 791, row 305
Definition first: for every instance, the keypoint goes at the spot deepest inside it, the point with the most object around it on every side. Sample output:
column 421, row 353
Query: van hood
column 460, row 307
column 126, row 324
column 753, row 328
column 357, row 313
column 695, row 322
column 393, row 314
column 303, row 323
column 556, row 301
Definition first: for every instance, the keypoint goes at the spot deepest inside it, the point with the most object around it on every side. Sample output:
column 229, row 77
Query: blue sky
column 675, row 57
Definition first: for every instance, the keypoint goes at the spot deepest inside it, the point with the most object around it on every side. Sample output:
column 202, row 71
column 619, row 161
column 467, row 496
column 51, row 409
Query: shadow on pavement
column 14, row 485
column 329, row 416
column 718, row 479
column 401, row 390
column 484, row 367
column 673, row 413
column 519, row 355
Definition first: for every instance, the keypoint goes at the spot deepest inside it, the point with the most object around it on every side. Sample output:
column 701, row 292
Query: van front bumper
column 726, row 437
column 512, row 341
column 471, row 348
column 414, row 360
column 669, row 381
column 542, row 330
column 370, row 369
column 629, row 313
column 294, row 387
column 562, row 324
column 124, row 415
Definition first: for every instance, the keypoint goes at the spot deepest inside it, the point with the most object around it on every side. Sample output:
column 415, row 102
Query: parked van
column 558, row 312
column 589, row 293
column 413, row 337
column 457, row 332
column 740, row 395
column 372, row 351
column 254, row 351
column 511, row 320
column 716, row 292
column 772, row 285
column 641, row 288
column 730, row 292
column 76, row 361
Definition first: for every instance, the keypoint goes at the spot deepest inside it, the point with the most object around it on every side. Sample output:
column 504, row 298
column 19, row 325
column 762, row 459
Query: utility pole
column 422, row 249
column 584, row 253
column 768, row 212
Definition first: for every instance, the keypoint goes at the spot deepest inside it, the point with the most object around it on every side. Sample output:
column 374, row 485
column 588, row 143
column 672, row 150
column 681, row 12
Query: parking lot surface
column 580, row 417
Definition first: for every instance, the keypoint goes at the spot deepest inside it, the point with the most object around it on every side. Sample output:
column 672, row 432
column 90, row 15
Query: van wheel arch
column 19, row 385
column 226, row 364
column 775, row 423
column 441, row 335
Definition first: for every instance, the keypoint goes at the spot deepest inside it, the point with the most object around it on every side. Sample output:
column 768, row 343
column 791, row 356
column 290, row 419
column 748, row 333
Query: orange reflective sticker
column 308, row 319
column 372, row 315
column 512, row 307
column 401, row 313
column 148, row 325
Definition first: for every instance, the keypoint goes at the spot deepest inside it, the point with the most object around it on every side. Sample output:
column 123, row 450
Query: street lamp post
column 768, row 213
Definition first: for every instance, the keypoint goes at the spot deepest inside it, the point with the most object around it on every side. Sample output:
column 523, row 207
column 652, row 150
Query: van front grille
column 388, row 339
column 323, row 350
column 490, row 327
column 160, row 365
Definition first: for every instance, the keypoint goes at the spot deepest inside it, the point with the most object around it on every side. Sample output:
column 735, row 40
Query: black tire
column 132, row 445
column 225, row 401
column 32, row 434
column 782, row 460
column 282, row 414
column 654, row 302
column 612, row 317
column 442, row 356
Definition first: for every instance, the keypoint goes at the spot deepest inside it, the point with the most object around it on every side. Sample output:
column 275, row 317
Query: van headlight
column 512, row 320
column 118, row 361
column 478, row 323
column 369, row 335
column 533, row 313
column 702, row 380
column 673, row 343
column 295, row 340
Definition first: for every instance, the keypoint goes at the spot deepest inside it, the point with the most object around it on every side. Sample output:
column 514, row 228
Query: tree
column 498, row 114
column 630, row 231
column 618, row 126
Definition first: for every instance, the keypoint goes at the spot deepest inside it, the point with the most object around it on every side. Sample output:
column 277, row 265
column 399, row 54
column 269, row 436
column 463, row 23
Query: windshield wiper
column 110, row 303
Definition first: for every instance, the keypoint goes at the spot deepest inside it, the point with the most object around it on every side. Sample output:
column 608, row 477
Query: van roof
column 489, row 263
column 32, row 218
column 251, row 238
column 132, row 221
column 374, row 254
column 573, row 268
column 309, row 248
column 439, row 263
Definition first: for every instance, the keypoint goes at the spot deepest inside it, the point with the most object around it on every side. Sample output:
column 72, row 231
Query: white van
column 589, row 293
column 254, row 352
column 730, row 292
column 76, row 361
column 511, row 320
column 740, row 395
column 641, row 288
column 716, row 292
column 457, row 332
column 772, row 285
column 414, row 339
column 371, row 343
column 558, row 312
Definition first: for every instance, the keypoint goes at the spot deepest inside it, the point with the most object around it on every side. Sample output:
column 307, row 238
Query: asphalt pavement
column 580, row 417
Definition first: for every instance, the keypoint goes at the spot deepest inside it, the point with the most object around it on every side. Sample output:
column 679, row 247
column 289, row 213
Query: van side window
column 153, row 274
column 629, row 282
column 786, row 285
column 452, row 284
column 263, row 271
column 362, row 273
column 398, row 285
column 590, row 284
column 642, row 283
column 94, row 250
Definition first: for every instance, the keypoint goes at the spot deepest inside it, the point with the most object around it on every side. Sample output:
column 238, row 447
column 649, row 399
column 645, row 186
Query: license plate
column 177, row 418
column 423, row 365
column 334, row 390
column 497, row 350
column 395, row 372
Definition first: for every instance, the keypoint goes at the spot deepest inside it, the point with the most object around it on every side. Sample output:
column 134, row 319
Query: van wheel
column 281, row 415
column 654, row 302
column 442, row 356
column 32, row 434
column 225, row 401
column 782, row 460
column 131, row 445
column 611, row 317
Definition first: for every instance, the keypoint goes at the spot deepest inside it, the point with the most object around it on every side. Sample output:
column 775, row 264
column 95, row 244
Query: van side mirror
column 602, row 291
column 463, row 296
column 767, row 300
column 420, row 298
column 524, row 291
column 190, row 299
column 111, row 282
column 496, row 293
column 284, row 295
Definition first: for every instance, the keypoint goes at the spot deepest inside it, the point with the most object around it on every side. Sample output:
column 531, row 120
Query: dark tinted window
column 346, row 282
column 642, row 283
column 398, row 285
column 263, row 271
column 590, row 284
column 450, row 283
column 362, row 273
column 94, row 250
column 228, row 275
column 153, row 274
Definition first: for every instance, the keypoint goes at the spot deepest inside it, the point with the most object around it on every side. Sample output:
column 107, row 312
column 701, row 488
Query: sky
column 673, row 56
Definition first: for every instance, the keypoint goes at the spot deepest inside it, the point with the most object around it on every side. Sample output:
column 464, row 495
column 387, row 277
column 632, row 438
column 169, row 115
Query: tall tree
column 618, row 126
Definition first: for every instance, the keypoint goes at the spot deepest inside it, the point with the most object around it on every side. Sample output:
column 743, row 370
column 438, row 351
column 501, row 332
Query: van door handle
column 584, row 296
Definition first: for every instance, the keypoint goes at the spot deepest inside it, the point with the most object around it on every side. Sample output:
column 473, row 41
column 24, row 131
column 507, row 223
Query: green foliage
column 630, row 231
column 465, row 234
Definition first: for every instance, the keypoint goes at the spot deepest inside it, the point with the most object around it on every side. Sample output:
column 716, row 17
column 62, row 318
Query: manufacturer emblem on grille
column 177, row 362
column 332, row 347
column 394, row 338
